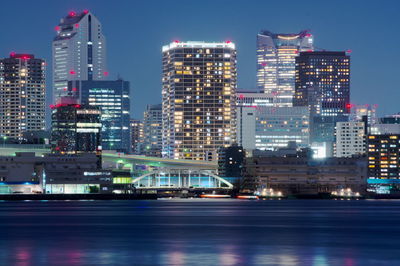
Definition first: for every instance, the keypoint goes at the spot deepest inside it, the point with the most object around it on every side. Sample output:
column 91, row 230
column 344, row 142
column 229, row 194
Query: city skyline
column 127, row 50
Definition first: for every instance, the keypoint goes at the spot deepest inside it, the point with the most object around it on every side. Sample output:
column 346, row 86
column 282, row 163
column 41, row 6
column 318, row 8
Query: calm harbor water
column 200, row 232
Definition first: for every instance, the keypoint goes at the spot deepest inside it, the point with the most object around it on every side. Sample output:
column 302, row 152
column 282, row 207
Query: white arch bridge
column 171, row 179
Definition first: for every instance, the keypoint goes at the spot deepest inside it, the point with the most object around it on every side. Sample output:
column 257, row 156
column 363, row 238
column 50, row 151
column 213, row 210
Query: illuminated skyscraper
column 112, row 98
column 79, row 52
column 22, row 95
column 152, row 127
column 199, row 83
column 276, row 53
column 136, row 136
column 323, row 84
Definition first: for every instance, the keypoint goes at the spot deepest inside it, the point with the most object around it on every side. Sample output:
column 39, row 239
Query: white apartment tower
column 198, row 94
column 350, row 139
column 79, row 52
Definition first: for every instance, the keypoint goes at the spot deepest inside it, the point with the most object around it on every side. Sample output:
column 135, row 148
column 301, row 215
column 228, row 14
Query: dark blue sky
column 136, row 30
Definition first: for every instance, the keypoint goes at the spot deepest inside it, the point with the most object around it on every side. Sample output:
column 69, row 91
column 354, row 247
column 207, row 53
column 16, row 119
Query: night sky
column 136, row 30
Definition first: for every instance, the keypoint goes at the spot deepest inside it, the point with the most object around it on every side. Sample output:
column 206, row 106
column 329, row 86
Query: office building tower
column 276, row 53
column 365, row 113
column 79, row 52
column 199, row 83
column 271, row 128
column 22, row 95
column 75, row 128
column 323, row 84
column 252, row 98
column 383, row 153
column 112, row 98
column 389, row 124
column 350, row 139
column 152, row 126
column 137, row 136
column 230, row 163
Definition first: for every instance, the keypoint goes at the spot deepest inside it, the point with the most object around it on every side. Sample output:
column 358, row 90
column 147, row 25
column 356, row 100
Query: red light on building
column 308, row 35
column 77, row 106
column 176, row 41
column 76, row 25
column 74, row 89
column 57, row 28
column 72, row 14
column 72, row 72
column 85, row 11
column 65, row 89
column 309, row 51
column 12, row 54
column 228, row 41
column 241, row 96
column 264, row 64
column 105, row 73
column 52, row 106
column 349, row 105
column 349, row 51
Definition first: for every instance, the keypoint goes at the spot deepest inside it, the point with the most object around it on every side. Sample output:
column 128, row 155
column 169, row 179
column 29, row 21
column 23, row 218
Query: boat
column 215, row 196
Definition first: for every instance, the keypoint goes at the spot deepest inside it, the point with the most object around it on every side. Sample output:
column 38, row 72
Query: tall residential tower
column 276, row 53
column 22, row 95
column 199, row 83
column 79, row 52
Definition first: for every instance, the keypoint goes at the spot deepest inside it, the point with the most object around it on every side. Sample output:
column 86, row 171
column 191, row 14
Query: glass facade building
column 136, row 136
column 112, row 98
column 22, row 95
column 276, row 53
column 152, row 126
column 75, row 128
column 199, row 84
column 323, row 84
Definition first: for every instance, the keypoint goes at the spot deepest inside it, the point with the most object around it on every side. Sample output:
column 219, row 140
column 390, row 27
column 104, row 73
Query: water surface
column 200, row 232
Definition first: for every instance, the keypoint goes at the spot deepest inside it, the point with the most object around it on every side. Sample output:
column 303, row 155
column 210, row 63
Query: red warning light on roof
column 349, row 51
column 264, row 64
column 76, row 25
column 57, row 28
column 72, row 72
column 241, row 96
column 85, row 11
column 12, row 54
column 72, row 14
column 105, row 73
column 176, row 41
column 65, row 89
column 349, row 105
column 74, row 89
column 228, row 41
column 308, row 35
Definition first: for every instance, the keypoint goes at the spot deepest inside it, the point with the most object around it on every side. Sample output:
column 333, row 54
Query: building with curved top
column 276, row 53
column 79, row 52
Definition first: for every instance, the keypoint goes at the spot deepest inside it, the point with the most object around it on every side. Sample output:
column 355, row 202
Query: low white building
column 350, row 139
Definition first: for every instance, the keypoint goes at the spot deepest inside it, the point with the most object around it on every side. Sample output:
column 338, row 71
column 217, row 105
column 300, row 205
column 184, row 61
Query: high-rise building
column 112, row 97
column 251, row 98
column 383, row 153
column 199, row 83
column 22, row 95
column 79, row 52
column 365, row 113
column 75, row 128
column 137, row 136
column 271, row 128
column 276, row 53
column 152, row 126
column 323, row 84
column 350, row 139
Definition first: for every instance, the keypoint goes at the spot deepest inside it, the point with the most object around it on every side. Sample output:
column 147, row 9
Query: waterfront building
column 75, row 128
column 350, row 139
column 299, row 173
column 52, row 174
column 383, row 153
column 323, row 84
column 270, row 128
column 230, row 163
column 152, row 126
column 22, row 95
column 79, row 52
column 137, row 135
column 112, row 97
column 276, row 53
column 199, row 84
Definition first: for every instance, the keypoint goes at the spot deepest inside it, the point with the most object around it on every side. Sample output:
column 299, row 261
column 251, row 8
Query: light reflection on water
column 200, row 232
